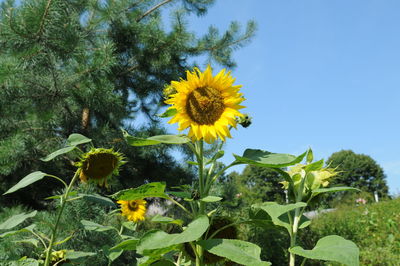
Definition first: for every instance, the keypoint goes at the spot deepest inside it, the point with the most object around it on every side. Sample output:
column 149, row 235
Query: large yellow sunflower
column 207, row 105
column 133, row 210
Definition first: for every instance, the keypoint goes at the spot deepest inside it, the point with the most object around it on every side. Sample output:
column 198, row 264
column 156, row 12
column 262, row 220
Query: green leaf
column 168, row 113
column 165, row 220
column 277, row 212
column 216, row 156
column 76, row 139
column 111, row 253
column 91, row 226
column 155, row 189
column 267, row 159
column 24, row 261
column 98, row 199
column 130, row 225
column 129, row 244
column 163, row 263
column 15, row 220
column 154, row 255
column 31, row 241
column 26, row 229
column 310, row 156
column 180, row 194
column 61, row 151
column 238, row 251
column 332, row 189
column 314, row 166
column 157, row 239
column 166, row 139
column 75, row 255
column 26, row 181
column 331, row 248
column 211, row 199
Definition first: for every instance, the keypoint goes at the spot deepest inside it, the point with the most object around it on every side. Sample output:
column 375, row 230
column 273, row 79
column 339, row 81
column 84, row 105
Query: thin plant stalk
column 63, row 202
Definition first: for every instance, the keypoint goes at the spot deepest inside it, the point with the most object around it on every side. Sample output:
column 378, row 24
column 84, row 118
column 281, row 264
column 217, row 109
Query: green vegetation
column 373, row 227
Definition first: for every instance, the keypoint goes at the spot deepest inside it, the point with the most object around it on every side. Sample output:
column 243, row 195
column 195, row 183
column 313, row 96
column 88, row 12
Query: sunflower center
column 100, row 165
column 205, row 105
column 133, row 205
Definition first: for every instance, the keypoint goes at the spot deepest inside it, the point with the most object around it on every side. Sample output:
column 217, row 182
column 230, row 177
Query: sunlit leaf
column 165, row 220
column 91, row 226
column 98, row 199
column 211, row 199
column 129, row 244
column 267, row 159
column 31, row 241
column 242, row 252
column 331, row 248
column 75, row 255
column 168, row 113
column 157, row 239
column 26, row 229
column 154, row 140
column 155, row 189
column 332, row 189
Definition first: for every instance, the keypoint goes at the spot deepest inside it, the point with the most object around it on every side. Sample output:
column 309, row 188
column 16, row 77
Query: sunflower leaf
column 331, row 248
column 15, row 220
column 61, row 151
column 155, row 189
column 76, row 139
column 267, row 159
column 168, row 113
column 91, row 226
column 154, row 140
column 26, row 181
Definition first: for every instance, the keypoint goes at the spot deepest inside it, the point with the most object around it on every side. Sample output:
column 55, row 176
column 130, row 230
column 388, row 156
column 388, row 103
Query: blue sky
column 319, row 74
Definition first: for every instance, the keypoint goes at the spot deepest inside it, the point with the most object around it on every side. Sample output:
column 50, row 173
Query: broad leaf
column 15, row 220
column 91, row 226
column 332, row 189
column 31, row 241
column 331, row 248
column 129, row 244
column 76, row 139
column 166, row 220
column 130, row 225
column 155, row 189
column 26, row 229
column 76, row 255
column 267, row 159
column 98, row 199
column 238, row 251
column 180, row 194
column 61, row 151
column 111, row 253
column 278, row 212
column 154, row 140
column 24, row 261
column 26, row 181
column 211, row 199
column 157, row 239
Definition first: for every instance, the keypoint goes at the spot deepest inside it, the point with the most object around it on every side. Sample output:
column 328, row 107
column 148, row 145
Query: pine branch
column 151, row 10
column 46, row 12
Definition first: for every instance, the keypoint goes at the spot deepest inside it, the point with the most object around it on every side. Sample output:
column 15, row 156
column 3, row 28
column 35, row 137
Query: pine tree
column 91, row 67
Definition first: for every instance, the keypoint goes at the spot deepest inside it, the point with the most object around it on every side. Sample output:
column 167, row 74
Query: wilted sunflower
column 98, row 164
column 206, row 104
column 133, row 210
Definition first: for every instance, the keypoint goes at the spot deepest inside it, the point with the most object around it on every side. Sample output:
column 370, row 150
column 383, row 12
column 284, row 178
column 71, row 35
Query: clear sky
column 319, row 74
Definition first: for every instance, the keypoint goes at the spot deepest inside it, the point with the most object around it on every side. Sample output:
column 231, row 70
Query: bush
column 373, row 227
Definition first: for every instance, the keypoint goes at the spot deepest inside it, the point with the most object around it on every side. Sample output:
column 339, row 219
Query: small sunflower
column 98, row 164
column 206, row 104
column 133, row 210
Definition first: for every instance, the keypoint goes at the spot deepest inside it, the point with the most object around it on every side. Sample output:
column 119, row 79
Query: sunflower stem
column 54, row 233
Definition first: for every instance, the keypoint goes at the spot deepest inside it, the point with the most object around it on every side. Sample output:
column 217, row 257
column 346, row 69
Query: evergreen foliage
column 91, row 67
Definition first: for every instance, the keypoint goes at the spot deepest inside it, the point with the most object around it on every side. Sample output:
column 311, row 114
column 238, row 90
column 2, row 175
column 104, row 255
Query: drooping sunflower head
column 98, row 164
column 133, row 210
column 206, row 104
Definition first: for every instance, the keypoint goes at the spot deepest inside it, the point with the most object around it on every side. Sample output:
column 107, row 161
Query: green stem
column 180, row 205
column 293, row 235
column 59, row 179
column 63, row 201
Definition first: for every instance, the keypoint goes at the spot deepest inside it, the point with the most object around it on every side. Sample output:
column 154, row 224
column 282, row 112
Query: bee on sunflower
column 207, row 104
column 98, row 164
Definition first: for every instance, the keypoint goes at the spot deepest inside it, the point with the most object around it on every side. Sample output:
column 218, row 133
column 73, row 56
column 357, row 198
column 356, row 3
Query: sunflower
column 208, row 105
column 133, row 210
column 98, row 164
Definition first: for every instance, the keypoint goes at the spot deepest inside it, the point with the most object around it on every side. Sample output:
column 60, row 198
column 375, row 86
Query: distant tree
column 92, row 67
column 359, row 171
column 258, row 184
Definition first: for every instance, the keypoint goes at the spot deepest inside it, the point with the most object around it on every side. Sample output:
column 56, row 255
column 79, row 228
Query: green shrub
column 373, row 227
